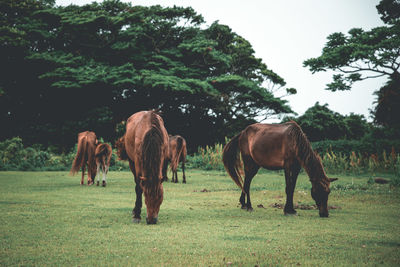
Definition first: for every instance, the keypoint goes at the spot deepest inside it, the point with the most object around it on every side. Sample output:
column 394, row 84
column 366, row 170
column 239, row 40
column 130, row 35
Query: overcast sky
column 284, row 33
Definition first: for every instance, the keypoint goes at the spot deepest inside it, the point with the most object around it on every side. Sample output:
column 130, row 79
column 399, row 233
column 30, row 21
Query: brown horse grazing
column 103, row 156
column 145, row 145
column 87, row 142
column 275, row 147
column 177, row 153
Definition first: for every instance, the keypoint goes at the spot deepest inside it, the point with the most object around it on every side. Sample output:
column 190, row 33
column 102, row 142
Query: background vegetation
column 92, row 66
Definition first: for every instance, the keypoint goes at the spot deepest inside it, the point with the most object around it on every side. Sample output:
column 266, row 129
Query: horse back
column 138, row 126
column 266, row 144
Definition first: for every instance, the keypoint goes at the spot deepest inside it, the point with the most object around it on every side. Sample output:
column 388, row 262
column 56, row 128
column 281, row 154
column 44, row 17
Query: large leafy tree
column 361, row 54
column 92, row 66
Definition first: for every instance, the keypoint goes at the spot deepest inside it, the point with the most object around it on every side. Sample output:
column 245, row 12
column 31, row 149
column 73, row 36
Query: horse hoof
column 136, row 220
column 290, row 213
column 151, row 221
column 104, row 184
column 249, row 209
column 98, row 183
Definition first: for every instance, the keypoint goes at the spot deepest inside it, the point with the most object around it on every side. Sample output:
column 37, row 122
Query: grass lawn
column 48, row 219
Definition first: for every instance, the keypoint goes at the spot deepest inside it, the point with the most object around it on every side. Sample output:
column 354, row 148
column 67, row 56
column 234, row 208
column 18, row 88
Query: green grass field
column 48, row 219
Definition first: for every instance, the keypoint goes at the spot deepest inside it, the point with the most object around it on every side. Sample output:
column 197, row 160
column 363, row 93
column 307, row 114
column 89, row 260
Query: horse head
column 153, row 197
column 320, row 192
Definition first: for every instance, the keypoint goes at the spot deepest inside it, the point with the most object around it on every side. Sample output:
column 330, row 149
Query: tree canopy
column 75, row 68
column 321, row 123
column 361, row 54
column 364, row 54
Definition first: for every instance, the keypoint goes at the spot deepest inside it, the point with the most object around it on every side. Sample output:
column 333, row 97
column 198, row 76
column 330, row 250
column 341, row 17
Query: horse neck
column 313, row 166
column 307, row 157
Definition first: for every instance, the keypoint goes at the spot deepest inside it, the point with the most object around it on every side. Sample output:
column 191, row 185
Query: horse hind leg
column 104, row 170
column 291, row 172
column 176, row 175
column 83, row 175
column 183, row 171
column 250, row 170
column 98, row 173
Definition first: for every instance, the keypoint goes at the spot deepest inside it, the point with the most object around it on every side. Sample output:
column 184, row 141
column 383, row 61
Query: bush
column 208, row 158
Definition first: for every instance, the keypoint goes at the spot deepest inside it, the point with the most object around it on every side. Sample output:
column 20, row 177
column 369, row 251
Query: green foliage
column 368, row 54
column 389, row 11
column 90, row 67
column 14, row 156
column 387, row 104
column 208, row 158
column 361, row 52
column 320, row 123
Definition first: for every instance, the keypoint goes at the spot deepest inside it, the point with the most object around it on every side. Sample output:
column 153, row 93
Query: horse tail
column 103, row 153
column 231, row 160
column 177, row 156
column 152, row 152
column 121, row 151
column 80, row 157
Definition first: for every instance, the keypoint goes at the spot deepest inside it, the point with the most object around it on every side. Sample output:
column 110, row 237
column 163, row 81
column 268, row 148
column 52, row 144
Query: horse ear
column 333, row 179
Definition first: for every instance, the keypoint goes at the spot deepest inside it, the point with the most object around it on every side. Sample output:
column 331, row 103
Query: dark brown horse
column 275, row 147
column 145, row 145
column 87, row 142
column 103, row 156
column 177, row 153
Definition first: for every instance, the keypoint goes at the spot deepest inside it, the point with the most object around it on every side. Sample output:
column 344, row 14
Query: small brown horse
column 87, row 142
column 103, row 156
column 177, row 153
column 275, row 147
column 145, row 145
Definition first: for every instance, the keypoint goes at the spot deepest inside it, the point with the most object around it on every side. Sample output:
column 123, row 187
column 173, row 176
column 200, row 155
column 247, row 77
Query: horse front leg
column 138, row 189
column 291, row 173
column 138, row 203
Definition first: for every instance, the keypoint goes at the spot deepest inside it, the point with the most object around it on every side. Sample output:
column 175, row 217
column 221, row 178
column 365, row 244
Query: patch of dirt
column 302, row 206
column 381, row 180
column 260, row 206
column 205, row 190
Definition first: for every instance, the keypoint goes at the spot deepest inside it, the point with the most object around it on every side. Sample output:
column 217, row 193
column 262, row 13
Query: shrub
column 208, row 158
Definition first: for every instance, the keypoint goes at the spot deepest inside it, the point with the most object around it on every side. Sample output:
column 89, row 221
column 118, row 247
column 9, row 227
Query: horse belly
column 268, row 155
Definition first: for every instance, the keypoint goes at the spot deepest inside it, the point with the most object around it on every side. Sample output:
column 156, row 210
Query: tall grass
column 208, row 158
column 357, row 163
column 354, row 163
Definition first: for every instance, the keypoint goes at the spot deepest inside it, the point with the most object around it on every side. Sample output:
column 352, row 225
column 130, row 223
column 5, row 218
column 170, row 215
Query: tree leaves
column 128, row 58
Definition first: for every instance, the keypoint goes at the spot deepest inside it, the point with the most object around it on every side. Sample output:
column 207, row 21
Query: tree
column 93, row 66
column 363, row 54
column 387, row 109
column 321, row 123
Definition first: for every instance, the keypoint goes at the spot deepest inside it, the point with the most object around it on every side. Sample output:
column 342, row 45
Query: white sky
column 284, row 33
